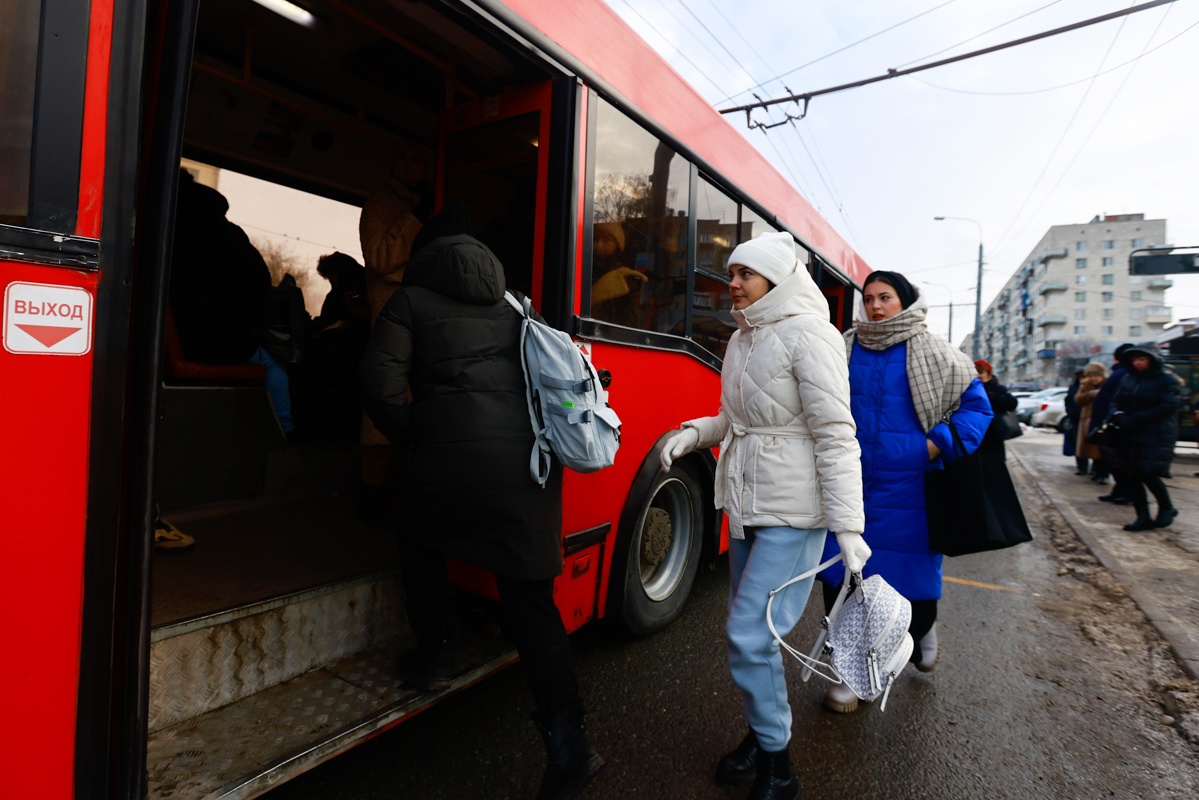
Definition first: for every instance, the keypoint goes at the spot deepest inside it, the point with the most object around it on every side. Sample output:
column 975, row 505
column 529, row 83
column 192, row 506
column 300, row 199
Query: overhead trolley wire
column 980, row 35
column 841, row 49
column 1003, row 241
column 1094, row 127
column 895, row 73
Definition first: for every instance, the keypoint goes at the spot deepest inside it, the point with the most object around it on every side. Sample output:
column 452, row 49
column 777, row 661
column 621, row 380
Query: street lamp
column 978, row 289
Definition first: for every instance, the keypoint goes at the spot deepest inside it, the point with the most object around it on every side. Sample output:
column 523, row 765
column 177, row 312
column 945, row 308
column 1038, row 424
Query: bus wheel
column 660, row 553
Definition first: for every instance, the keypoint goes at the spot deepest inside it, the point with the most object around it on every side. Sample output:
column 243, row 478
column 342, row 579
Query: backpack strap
column 539, row 458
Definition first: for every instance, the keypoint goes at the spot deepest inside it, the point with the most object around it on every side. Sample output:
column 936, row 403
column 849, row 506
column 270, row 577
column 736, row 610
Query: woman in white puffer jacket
column 789, row 470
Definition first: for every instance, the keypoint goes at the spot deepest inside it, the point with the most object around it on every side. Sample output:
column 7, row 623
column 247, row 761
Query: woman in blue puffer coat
column 903, row 383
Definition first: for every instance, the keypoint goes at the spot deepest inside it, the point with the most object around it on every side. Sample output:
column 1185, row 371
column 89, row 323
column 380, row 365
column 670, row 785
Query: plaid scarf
column 937, row 372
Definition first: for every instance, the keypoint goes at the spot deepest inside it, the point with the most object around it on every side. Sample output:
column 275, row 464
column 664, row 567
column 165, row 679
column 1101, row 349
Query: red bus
column 269, row 646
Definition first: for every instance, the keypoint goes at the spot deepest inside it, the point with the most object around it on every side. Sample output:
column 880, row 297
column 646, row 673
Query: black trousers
column 924, row 615
column 531, row 622
column 1135, row 485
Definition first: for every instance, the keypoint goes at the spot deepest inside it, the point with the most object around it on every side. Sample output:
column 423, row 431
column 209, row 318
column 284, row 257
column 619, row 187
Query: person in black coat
column 1101, row 407
column 1070, row 425
column 1002, row 401
column 448, row 337
column 1146, row 414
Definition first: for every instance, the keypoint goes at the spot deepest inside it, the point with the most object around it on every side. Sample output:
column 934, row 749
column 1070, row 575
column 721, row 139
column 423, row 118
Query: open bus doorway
column 287, row 593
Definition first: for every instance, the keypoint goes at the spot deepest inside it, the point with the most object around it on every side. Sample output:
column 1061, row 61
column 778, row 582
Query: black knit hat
column 906, row 291
column 452, row 220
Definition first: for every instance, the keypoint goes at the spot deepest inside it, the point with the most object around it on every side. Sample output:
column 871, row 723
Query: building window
column 1109, row 296
column 1080, row 297
column 1136, row 313
column 1134, row 279
column 1081, row 246
column 1080, row 263
column 1079, row 330
column 1080, row 313
column 1136, row 296
column 1109, row 279
column 1138, row 242
column 1108, row 244
column 1080, row 280
column 1108, row 261
column 1108, row 313
column 1134, row 330
column 1105, row 330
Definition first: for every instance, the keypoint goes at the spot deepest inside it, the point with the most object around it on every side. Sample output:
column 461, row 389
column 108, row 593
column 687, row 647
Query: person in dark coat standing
column 449, row 336
column 1001, row 400
column 1146, row 414
column 1101, row 407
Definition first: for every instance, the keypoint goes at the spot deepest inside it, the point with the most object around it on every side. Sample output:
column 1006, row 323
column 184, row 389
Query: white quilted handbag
column 864, row 640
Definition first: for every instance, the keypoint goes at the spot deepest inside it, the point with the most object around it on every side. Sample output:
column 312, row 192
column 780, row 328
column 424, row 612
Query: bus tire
column 658, row 551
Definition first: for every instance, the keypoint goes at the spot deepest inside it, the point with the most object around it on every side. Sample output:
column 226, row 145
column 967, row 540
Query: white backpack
column 567, row 406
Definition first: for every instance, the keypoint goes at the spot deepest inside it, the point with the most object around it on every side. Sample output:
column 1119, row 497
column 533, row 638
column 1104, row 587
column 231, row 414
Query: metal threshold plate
column 244, row 749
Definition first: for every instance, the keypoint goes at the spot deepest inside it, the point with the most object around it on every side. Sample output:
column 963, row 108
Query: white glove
column 678, row 446
column 854, row 551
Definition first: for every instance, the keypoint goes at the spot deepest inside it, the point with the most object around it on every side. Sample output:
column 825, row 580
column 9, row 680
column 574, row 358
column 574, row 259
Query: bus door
column 493, row 155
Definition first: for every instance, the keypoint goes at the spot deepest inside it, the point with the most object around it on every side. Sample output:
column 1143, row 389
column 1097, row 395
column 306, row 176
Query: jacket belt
column 736, row 432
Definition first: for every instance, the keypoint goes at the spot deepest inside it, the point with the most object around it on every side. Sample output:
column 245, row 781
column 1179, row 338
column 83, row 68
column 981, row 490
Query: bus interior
column 287, row 593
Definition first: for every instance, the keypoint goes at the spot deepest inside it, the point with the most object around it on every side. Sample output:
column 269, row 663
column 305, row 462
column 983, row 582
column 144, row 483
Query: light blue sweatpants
column 764, row 560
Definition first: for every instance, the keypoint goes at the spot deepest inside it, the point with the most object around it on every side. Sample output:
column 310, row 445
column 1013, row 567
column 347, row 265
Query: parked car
column 1030, row 403
column 1051, row 413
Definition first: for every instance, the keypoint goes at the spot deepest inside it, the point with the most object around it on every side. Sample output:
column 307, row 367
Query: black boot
column 1143, row 522
column 429, row 668
column 1165, row 516
column 737, row 767
column 775, row 779
column 570, row 760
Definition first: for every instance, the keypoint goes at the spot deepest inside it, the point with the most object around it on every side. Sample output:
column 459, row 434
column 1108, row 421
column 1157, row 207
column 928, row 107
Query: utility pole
column 978, row 290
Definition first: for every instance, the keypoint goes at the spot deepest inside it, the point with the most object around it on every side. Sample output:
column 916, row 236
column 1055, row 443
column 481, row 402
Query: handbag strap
column 810, row 662
column 959, row 447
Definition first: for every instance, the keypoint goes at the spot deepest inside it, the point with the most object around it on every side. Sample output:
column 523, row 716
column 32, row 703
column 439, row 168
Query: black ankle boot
column 775, row 779
column 1165, row 516
column 737, row 767
column 429, row 669
column 570, row 760
column 1143, row 522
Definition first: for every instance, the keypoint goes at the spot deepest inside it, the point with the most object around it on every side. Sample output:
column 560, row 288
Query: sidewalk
column 1160, row 568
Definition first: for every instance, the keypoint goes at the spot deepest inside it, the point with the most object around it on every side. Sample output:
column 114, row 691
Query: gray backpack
column 567, row 406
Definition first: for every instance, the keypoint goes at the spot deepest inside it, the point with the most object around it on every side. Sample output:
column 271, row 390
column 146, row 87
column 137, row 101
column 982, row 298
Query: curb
column 1174, row 635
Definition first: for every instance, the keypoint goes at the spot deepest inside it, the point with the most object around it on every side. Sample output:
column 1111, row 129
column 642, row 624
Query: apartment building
column 1072, row 300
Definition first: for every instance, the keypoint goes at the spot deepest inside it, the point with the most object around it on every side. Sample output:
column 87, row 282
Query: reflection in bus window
column 716, row 235
column 639, row 236
column 18, row 73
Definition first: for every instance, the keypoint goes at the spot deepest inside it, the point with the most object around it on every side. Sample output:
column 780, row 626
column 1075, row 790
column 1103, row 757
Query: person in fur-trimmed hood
column 788, row 471
column 1145, row 410
column 904, row 381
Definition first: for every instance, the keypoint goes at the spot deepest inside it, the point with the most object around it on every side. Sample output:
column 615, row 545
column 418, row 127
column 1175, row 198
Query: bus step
column 245, row 748
column 211, row 660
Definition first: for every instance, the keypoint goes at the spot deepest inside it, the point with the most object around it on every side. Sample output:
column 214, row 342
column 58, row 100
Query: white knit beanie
column 771, row 255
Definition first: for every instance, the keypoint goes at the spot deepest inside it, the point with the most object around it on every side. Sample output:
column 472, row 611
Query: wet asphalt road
column 1046, row 688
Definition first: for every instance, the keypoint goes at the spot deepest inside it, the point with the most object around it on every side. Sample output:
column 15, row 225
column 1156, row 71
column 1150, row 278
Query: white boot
column 928, row 651
column 841, row 699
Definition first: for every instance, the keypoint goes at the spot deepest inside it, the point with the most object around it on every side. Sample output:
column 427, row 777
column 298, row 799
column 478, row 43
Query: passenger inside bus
column 616, row 295
column 391, row 219
column 219, row 288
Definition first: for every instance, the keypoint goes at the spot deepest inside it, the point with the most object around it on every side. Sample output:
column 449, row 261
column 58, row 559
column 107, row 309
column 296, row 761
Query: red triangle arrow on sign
column 49, row 335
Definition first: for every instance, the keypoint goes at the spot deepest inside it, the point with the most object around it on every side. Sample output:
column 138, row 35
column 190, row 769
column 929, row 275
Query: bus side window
column 639, row 232
column 18, row 73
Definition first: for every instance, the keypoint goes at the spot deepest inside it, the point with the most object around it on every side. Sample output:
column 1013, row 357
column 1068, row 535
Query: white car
column 1025, row 406
column 1051, row 412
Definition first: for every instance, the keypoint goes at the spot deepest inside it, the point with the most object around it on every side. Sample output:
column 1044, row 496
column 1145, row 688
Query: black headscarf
column 906, row 292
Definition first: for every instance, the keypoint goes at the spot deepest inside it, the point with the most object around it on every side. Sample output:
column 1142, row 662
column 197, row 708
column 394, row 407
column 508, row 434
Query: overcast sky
column 1100, row 120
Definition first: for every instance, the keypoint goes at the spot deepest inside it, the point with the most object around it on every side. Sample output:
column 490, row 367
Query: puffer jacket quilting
column 788, row 454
